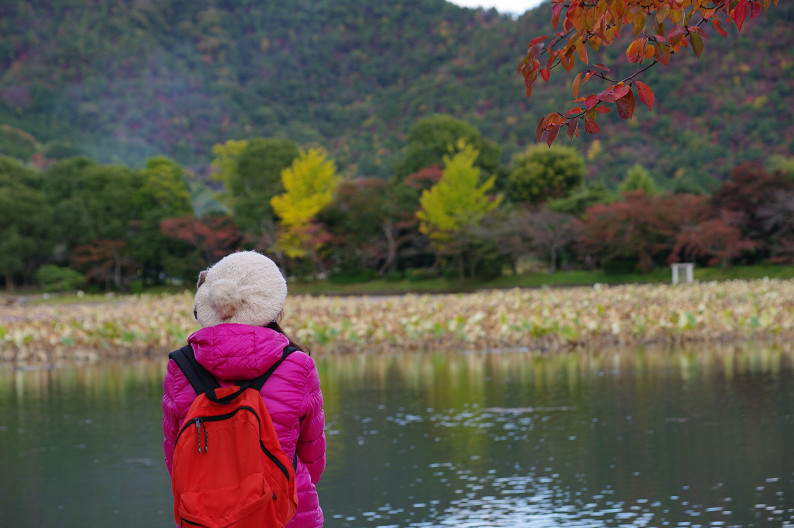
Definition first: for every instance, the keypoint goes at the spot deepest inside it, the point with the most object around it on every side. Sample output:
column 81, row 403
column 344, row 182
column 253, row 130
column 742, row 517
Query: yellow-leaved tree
column 310, row 183
column 456, row 203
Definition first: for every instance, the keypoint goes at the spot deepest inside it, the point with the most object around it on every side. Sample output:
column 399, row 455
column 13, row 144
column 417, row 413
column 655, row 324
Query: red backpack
column 228, row 467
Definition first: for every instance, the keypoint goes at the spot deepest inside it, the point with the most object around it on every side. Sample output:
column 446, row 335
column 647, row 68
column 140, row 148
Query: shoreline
column 536, row 320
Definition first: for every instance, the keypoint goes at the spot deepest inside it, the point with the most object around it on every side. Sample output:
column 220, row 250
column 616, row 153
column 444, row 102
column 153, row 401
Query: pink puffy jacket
column 234, row 352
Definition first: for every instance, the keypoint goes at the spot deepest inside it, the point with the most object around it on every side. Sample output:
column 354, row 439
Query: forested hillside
column 126, row 80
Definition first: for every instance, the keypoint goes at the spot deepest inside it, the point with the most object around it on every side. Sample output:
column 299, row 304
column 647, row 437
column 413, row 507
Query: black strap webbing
column 200, row 378
column 257, row 383
column 203, row 381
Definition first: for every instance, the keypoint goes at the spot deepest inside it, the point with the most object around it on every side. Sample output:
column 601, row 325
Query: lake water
column 610, row 439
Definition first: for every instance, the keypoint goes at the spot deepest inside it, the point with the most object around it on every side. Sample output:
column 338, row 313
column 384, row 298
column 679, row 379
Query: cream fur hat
column 243, row 288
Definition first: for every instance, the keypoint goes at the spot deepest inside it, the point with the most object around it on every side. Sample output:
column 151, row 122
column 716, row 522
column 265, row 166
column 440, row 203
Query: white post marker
column 687, row 269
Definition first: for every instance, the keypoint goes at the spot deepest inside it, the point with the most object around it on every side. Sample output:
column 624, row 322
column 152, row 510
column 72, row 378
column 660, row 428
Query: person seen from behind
column 237, row 304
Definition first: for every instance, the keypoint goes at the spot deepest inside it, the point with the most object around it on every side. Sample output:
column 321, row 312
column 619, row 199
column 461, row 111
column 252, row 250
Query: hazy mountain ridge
column 121, row 81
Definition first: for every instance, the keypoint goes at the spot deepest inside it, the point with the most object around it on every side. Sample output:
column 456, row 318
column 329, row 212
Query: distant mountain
column 124, row 80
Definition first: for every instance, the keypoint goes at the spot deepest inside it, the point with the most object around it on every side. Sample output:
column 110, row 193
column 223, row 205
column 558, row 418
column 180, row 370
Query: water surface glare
column 609, row 439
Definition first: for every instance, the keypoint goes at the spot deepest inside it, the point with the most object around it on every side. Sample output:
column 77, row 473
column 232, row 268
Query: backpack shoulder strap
column 200, row 378
column 258, row 382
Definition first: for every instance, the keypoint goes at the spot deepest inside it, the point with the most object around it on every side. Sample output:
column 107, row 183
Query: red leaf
column 608, row 95
column 545, row 74
column 540, row 129
column 591, row 126
column 572, row 129
column 645, row 94
column 755, row 10
column 601, row 67
column 626, row 105
column 602, row 109
column 718, row 27
column 620, row 91
column 675, row 35
column 552, row 135
column 740, row 13
column 555, row 14
column 591, row 101
column 574, row 110
column 536, row 40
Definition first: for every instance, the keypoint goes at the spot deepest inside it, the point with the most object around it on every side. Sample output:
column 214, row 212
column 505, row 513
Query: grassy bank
column 543, row 319
column 538, row 280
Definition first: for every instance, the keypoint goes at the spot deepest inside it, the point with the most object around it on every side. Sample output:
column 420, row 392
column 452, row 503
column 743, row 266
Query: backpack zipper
column 216, row 418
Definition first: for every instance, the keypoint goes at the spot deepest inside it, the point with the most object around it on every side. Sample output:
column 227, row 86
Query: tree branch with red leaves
column 661, row 29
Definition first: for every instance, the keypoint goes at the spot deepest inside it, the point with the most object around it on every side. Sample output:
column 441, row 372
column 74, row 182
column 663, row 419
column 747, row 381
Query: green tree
column 457, row 202
column 577, row 202
column 639, row 179
column 431, row 138
column 25, row 219
column 252, row 176
column 162, row 194
column 540, row 174
column 782, row 164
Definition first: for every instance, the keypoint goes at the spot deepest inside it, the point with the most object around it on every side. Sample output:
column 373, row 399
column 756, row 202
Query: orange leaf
column 635, row 50
column 639, row 25
column 572, row 126
column 583, row 53
column 574, row 110
column 545, row 74
column 645, row 94
column 650, row 51
column 577, row 83
column 626, row 105
column 566, row 60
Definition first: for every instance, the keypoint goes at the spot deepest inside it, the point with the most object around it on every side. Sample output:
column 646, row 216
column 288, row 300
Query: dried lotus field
column 534, row 319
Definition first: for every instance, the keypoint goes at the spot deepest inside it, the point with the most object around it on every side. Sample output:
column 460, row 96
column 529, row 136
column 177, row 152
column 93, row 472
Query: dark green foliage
column 257, row 179
column 124, row 81
column 351, row 277
column 434, row 137
column 541, row 174
column 58, row 279
column 420, row 274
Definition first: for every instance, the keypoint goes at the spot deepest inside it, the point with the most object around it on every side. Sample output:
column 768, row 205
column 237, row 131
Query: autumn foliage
column 660, row 29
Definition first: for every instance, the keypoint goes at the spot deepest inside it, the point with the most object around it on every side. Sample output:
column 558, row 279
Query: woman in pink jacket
column 237, row 303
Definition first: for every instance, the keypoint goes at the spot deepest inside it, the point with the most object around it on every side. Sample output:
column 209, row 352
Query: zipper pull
column 198, row 434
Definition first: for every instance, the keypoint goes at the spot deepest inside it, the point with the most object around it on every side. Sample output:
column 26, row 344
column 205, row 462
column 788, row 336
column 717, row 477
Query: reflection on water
column 502, row 439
